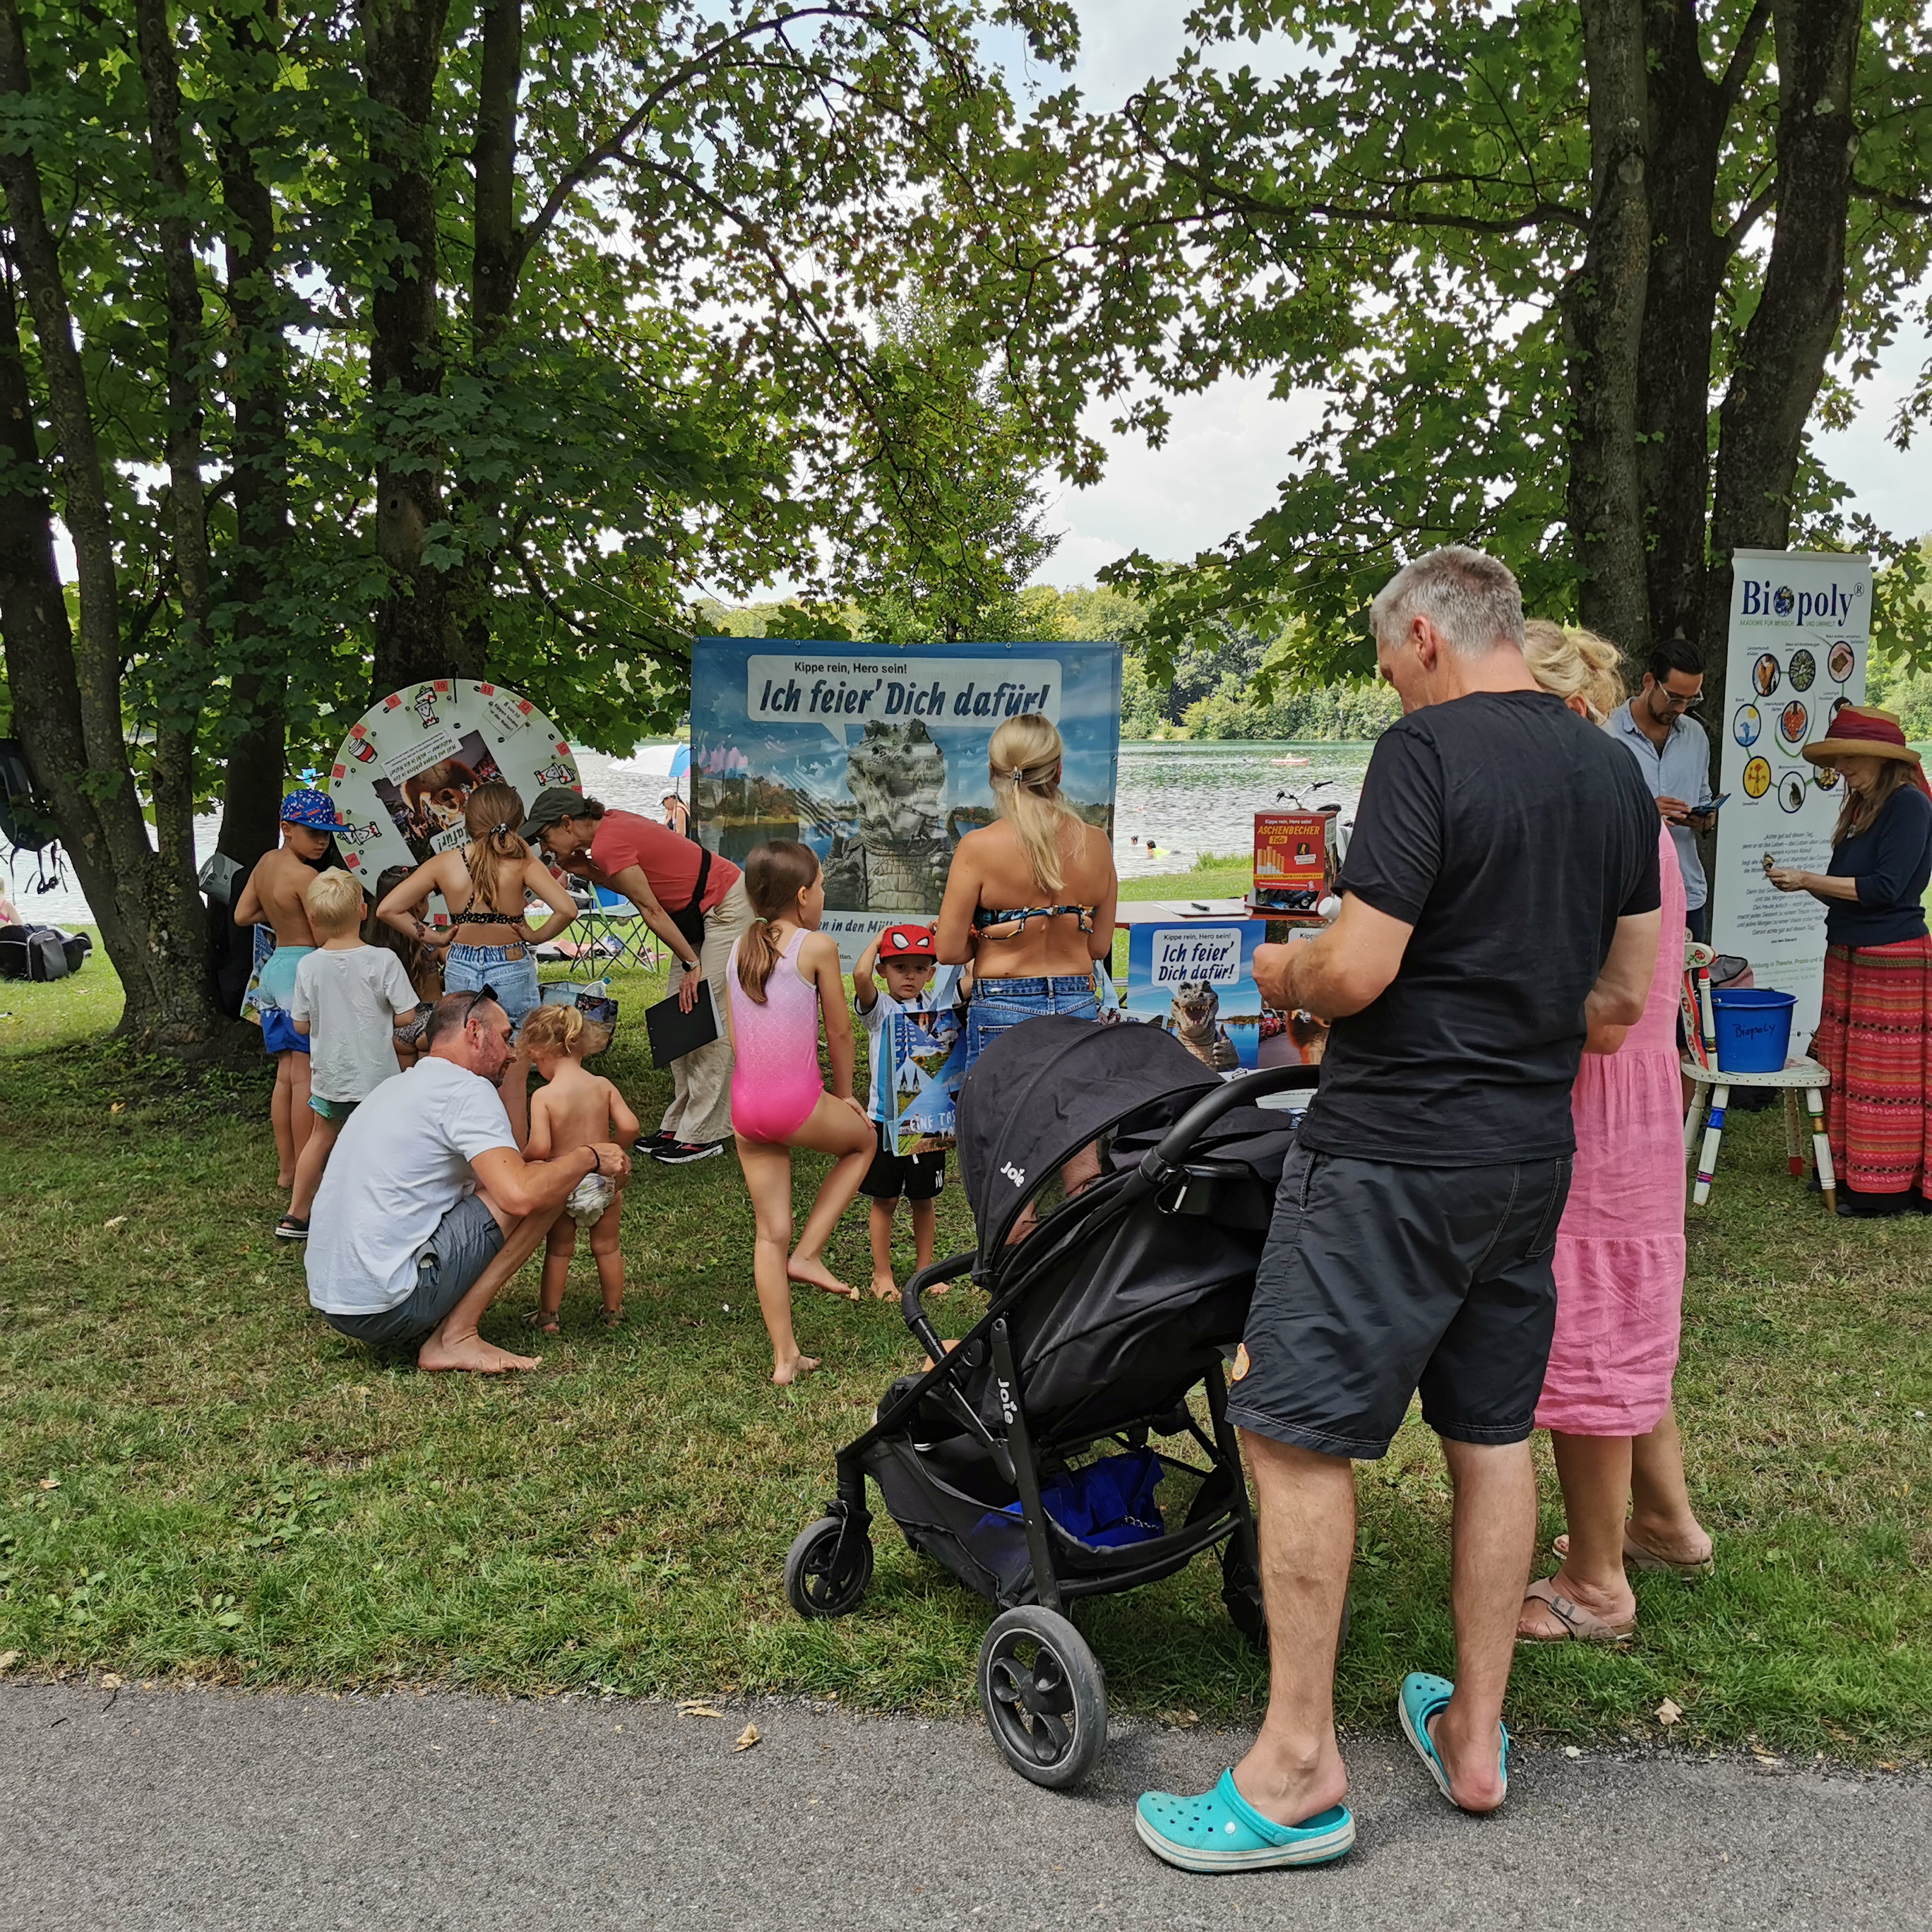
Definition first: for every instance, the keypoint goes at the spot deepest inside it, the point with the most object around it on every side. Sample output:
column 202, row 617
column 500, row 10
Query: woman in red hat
column 1875, row 1032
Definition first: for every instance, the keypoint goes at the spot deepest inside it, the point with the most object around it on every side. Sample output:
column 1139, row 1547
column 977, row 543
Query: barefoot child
column 904, row 957
column 274, row 897
column 348, row 1000
column 782, row 978
column 576, row 1109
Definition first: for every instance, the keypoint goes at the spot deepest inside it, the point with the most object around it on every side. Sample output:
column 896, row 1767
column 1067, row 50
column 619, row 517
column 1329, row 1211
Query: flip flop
column 1579, row 1625
column 1638, row 1558
column 1420, row 1697
column 1221, row 1832
column 289, row 1227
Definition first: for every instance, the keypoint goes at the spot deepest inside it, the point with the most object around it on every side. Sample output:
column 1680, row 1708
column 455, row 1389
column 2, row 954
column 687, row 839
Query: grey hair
column 1471, row 599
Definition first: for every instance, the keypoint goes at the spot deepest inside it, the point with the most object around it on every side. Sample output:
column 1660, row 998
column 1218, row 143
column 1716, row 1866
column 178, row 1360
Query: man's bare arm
column 1341, row 971
column 522, row 1187
column 1623, row 987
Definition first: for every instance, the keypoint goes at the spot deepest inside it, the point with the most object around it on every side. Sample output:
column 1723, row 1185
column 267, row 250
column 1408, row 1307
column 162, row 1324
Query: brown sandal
column 1638, row 1558
column 1579, row 1624
column 543, row 1322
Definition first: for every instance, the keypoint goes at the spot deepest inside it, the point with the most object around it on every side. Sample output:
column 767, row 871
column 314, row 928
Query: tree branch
column 1737, row 71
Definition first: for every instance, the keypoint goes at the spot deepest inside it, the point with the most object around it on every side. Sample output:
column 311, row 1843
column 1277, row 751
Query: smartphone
column 1722, row 798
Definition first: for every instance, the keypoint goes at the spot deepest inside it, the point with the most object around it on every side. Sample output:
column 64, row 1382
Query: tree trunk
column 402, row 49
column 257, row 365
column 69, row 700
column 496, row 260
column 1604, row 306
column 178, row 716
column 1781, row 361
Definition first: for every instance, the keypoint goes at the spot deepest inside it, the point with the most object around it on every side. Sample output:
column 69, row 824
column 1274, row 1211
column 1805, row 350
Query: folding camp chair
column 614, row 933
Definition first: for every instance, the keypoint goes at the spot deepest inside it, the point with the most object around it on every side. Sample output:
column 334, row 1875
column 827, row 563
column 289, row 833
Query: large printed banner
column 877, row 759
column 1800, row 628
column 1196, row 979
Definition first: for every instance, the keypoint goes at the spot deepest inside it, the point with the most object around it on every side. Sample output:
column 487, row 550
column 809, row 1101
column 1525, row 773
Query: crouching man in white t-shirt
column 428, row 1207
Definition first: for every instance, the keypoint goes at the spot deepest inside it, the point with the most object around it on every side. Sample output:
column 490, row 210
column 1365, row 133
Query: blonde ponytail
column 1023, row 760
column 776, row 873
column 496, row 853
column 1574, row 663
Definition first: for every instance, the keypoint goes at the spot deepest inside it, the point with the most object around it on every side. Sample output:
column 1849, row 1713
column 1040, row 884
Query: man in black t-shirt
column 1500, row 893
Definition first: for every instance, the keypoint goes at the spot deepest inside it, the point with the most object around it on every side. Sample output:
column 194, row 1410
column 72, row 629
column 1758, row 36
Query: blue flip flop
column 1221, row 1832
column 1420, row 1697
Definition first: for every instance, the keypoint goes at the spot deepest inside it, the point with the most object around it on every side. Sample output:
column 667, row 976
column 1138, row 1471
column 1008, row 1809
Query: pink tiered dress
column 1619, row 1259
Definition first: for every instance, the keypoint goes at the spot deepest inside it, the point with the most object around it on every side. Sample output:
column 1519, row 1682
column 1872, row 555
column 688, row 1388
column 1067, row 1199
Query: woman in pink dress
column 1619, row 1266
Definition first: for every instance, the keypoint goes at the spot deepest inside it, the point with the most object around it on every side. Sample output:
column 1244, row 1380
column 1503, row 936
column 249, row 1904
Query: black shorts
column 1378, row 1280
column 917, row 1177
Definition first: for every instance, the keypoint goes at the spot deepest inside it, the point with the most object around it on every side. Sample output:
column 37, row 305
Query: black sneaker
column 650, row 1143
column 682, row 1153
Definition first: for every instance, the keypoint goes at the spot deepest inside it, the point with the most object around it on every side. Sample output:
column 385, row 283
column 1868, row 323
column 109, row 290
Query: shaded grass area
column 197, row 1476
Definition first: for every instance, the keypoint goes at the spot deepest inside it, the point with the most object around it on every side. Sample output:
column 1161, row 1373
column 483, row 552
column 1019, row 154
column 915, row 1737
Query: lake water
column 1173, row 802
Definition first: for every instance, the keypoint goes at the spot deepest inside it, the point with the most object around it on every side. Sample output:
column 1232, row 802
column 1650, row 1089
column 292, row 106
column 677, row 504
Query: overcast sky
column 1223, row 458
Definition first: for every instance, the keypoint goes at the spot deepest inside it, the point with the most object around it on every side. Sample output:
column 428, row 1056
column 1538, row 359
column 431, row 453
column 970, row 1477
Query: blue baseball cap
column 311, row 808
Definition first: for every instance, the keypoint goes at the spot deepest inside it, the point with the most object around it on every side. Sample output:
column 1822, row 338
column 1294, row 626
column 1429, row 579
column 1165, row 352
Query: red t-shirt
column 668, row 860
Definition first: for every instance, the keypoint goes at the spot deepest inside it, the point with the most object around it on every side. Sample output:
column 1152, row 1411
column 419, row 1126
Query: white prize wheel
column 403, row 775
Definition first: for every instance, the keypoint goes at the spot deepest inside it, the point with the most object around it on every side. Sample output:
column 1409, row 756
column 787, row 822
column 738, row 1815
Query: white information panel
column 1801, row 628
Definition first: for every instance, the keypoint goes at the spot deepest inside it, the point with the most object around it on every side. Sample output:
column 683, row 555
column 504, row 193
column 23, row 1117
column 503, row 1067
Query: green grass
column 197, row 1476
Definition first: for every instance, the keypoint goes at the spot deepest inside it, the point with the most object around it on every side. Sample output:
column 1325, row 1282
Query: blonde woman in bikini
column 1030, row 901
column 490, row 941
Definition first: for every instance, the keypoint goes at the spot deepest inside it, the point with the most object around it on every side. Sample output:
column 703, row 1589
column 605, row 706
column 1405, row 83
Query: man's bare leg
column 1494, row 1536
column 454, row 1343
column 1306, row 1515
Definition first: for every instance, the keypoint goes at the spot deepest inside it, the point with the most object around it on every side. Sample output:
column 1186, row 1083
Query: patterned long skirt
column 1875, row 1034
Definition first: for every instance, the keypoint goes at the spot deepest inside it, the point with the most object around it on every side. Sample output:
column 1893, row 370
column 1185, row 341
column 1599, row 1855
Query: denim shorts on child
column 998, row 1004
column 467, row 967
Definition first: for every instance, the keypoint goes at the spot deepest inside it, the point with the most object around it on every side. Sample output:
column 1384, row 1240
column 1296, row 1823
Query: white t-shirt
column 401, row 1164
column 939, row 994
column 350, row 1000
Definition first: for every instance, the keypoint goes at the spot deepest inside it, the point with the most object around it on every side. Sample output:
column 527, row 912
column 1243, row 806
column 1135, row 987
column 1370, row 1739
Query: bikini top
column 986, row 917
column 468, row 918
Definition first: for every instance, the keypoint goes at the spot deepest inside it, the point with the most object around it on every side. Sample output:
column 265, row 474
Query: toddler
column 783, row 977
column 576, row 1109
column 347, row 1002
column 904, row 957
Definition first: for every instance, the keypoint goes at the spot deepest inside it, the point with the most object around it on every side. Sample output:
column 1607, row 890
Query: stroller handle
column 1160, row 1164
column 934, row 1271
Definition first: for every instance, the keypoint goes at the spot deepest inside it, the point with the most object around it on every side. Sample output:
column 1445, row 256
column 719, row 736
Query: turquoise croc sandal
column 1221, row 1832
column 1420, row 1697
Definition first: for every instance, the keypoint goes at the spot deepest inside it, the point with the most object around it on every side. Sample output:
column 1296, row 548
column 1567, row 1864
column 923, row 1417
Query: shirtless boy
column 575, row 1109
column 275, row 896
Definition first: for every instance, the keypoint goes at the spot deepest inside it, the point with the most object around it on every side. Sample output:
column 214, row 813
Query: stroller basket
column 1109, row 1316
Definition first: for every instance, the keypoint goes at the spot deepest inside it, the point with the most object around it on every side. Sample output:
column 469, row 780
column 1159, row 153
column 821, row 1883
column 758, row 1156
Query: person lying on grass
column 428, row 1206
column 576, row 1109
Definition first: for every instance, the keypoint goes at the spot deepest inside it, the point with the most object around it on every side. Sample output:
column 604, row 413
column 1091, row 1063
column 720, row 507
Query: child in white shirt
column 904, row 957
column 348, row 1001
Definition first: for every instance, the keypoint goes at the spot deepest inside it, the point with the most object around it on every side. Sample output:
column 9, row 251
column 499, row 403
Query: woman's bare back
column 991, row 864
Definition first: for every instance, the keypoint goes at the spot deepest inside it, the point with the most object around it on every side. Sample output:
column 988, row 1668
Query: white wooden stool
column 1713, row 1095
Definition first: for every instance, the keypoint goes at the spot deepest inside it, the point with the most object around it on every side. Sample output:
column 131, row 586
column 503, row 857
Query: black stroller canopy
column 1044, row 1090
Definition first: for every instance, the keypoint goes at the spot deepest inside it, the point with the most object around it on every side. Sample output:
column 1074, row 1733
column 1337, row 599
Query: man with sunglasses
column 428, row 1206
column 1674, row 756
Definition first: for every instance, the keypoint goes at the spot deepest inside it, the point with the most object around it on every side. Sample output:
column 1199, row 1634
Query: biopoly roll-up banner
column 1801, row 632
column 876, row 758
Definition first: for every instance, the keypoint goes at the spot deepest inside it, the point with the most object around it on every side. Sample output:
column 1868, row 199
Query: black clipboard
column 674, row 1033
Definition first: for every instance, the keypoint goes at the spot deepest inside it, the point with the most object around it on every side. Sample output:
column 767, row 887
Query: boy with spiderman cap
column 904, row 958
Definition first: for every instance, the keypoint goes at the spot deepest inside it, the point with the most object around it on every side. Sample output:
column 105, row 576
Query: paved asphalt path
column 205, row 1811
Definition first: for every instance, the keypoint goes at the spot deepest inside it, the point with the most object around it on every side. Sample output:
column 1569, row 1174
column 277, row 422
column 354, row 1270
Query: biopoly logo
column 1017, row 1175
column 1763, row 598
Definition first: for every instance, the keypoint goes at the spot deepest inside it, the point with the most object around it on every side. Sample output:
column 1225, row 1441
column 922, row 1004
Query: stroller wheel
column 1044, row 1698
column 813, row 1584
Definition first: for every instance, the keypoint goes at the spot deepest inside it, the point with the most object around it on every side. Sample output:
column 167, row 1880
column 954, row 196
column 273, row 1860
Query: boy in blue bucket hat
column 274, row 897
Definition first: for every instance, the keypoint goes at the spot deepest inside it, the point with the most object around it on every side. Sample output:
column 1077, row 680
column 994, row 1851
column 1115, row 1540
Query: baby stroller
column 1021, row 1460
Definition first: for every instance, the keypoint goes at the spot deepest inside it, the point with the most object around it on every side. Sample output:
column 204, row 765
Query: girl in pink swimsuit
column 782, row 976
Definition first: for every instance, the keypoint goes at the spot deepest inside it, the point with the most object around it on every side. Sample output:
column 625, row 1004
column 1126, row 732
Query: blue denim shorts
column 466, row 1241
column 998, row 1004
column 467, row 967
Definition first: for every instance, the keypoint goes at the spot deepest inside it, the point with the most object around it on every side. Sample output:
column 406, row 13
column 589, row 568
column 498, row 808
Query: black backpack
column 39, row 952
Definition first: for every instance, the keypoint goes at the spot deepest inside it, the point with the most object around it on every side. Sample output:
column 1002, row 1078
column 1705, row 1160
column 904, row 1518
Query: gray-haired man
column 1501, row 882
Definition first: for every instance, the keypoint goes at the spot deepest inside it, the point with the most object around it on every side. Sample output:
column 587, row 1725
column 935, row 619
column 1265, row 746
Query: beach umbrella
column 680, row 761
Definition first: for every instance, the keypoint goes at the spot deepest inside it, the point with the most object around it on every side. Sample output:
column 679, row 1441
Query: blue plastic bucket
column 1754, row 1029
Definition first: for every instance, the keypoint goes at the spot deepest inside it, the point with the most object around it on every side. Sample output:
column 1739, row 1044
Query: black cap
column 553, row 803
